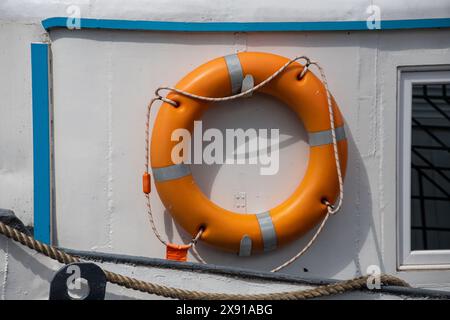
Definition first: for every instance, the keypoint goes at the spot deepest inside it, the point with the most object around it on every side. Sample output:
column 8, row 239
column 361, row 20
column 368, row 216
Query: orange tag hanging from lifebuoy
column 146, row 183
column 177, row 252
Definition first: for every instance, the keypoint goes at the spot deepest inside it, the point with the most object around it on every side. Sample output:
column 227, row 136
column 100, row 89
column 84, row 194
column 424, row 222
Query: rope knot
column 158, row 96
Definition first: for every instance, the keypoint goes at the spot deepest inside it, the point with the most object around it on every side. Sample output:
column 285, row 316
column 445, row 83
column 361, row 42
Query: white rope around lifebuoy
column 331, row 209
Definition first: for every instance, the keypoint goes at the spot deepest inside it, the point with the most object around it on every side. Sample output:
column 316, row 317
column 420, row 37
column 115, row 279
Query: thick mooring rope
column 359, row 283
column 331, row 209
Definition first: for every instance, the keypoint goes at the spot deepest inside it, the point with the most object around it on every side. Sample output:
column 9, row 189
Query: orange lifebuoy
column 246, row 233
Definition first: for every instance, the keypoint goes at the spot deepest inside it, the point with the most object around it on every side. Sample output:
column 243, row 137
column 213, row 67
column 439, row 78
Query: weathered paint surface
column 102, row 82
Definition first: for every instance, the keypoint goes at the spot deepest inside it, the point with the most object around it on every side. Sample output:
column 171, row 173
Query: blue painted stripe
column 61, row 22
column 41, row 140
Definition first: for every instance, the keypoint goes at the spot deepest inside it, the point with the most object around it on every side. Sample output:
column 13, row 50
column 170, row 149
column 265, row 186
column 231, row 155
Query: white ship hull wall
column 102, row 81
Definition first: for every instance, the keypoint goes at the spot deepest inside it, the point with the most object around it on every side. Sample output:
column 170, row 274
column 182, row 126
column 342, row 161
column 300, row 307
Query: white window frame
column 413, row 259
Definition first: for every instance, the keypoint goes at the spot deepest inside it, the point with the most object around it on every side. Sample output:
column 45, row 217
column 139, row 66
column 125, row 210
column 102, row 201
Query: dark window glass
column 430, row 167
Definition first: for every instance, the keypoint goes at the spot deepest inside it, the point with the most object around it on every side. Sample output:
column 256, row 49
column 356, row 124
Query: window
column 424, row 167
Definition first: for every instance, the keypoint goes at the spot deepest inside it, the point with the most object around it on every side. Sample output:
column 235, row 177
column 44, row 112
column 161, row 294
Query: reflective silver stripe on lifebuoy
column 269, row 236
column 235, row 72
column 245, row 248
column 320, row 138
column 247, row 84
column 171, row 172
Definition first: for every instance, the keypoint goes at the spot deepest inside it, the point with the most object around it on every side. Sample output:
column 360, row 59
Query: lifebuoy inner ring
column 247, row 233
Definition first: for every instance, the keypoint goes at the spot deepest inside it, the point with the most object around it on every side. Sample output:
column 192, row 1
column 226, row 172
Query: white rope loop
column 146, row 170
column 305, row 248
column 331, row 209
column 197, row 237
column 235, row 96
column 305, row 69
